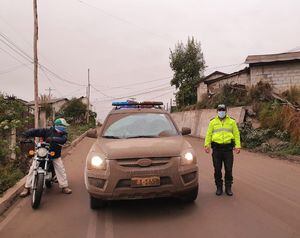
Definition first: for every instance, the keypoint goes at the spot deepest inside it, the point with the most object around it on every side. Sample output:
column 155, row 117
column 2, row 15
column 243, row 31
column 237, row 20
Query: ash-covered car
column 140, row 153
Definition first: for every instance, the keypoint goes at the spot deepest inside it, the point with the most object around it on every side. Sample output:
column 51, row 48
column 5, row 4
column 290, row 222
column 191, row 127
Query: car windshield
column 139, row 125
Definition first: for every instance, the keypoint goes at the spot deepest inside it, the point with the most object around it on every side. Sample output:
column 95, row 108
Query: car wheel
column 96, row 203
column 190, row 196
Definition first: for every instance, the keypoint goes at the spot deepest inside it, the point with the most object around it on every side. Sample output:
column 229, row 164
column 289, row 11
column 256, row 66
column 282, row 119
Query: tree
column 188, row 64
column 74, row 111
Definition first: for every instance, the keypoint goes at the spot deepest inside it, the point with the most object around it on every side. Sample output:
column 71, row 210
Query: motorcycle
column 43, row 173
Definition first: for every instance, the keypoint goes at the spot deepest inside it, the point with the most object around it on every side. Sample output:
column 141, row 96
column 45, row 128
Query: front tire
column 48, row 184
column 190, row 196
column 37, row 191
column 96, row 203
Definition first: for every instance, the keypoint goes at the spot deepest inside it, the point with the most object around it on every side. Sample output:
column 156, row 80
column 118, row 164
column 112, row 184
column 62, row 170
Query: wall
column 201, row 90
column 202, row 87
column 198, row 120
column 58, row 105
column 281, row 75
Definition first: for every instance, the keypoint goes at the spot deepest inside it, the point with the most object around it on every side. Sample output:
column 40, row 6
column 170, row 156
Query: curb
column 12, row 194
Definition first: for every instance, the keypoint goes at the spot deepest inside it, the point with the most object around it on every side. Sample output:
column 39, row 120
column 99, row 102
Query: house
column 213, row 82
column 55, row 103
column 84, row 100
column 280, row 70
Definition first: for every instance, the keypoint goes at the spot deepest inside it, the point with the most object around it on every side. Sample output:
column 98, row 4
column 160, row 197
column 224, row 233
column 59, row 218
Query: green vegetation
column 231, row 95
column 188, row 64
column 75, row 131
column 13, row 115
column 9, row 176
column 75, row 112
column 279, row 131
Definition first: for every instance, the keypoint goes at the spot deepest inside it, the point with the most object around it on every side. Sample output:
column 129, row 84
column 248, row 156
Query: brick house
column 280, row 70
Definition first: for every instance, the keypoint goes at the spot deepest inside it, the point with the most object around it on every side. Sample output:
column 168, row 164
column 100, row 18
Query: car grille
column 144, row 162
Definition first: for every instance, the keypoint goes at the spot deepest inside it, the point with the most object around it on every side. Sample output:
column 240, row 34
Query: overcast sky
column 127, row 42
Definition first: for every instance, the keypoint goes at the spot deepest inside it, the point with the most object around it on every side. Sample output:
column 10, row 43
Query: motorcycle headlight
column 188, row 158
column 98, row 162
column 42, row 152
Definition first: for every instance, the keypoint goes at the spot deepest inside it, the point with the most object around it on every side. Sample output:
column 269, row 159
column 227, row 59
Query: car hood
column 141, row 147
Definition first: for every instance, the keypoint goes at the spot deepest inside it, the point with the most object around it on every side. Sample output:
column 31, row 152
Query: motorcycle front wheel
column 37, row 191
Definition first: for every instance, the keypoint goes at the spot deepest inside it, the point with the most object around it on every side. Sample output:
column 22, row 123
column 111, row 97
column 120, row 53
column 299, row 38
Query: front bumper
column 115, row 182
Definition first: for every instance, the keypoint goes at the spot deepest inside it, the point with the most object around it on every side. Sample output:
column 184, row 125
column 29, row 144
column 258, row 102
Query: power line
column 97, row 90
column 59, row 77
column 8, row 53
column 169, row 91
column 50, row 80
column 123, row 20
column 23, row 38
column 223, row 66
column 12, row 69
column 23, row 54
column 134, row 95
column 15, row 48
column 140, row 83
column 137, row 92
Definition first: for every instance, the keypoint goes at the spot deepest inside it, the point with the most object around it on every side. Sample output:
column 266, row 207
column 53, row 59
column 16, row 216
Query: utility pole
column 36, row 88
column 88, row 98
column 49, row 90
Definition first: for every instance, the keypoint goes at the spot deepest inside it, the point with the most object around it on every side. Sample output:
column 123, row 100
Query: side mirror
column 92, row 133
column 186, row 131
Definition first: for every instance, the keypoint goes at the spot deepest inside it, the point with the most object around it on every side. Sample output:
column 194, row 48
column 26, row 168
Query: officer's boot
column 228, row 190
column 219, row 191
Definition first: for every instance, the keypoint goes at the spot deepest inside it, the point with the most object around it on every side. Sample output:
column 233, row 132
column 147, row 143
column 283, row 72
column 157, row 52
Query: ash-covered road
column 266, row 203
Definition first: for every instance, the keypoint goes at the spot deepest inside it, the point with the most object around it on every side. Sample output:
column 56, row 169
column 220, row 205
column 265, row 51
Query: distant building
column 280, row 70
column 56, row 104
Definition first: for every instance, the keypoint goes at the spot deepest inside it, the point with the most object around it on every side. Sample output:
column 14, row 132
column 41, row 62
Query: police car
column 140, row 153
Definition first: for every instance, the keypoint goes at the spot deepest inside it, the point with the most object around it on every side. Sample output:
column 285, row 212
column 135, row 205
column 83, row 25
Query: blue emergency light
column 134, row 104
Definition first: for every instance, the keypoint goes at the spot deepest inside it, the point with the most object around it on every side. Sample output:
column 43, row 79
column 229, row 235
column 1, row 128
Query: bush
column 261, row 92
column 9, row 176
column 291, row 123
column 292, row 95
column 252, row 138
column 270, row 115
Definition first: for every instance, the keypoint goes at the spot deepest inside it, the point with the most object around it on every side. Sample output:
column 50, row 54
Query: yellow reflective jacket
column 222, row 132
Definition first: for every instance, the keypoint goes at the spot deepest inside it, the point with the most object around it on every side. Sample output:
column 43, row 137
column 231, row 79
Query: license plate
column 145, row 182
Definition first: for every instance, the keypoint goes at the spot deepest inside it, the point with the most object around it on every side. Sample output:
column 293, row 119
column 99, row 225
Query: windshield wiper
column 111, row 137
column 142, row 136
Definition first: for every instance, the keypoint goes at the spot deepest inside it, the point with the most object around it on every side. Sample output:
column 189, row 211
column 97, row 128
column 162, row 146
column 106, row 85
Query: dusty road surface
column 266, row 203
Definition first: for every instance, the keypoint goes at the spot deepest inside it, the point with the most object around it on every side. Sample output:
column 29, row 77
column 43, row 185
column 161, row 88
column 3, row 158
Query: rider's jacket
column 57, row 138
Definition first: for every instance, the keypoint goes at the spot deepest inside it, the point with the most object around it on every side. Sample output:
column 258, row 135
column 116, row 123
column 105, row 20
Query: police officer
column 223, row 137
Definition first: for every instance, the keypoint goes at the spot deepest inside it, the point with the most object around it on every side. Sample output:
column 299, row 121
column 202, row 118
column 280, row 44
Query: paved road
column 266, row 204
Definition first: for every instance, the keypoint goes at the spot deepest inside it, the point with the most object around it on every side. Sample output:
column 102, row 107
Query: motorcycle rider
column 56, row 136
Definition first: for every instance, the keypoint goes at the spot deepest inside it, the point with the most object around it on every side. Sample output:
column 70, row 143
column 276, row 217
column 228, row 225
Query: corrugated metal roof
column 288, row 56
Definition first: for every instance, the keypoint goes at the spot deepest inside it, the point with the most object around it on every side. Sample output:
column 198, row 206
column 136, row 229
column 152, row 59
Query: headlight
column 42, row 152
column 98, row 162
column 188, row 158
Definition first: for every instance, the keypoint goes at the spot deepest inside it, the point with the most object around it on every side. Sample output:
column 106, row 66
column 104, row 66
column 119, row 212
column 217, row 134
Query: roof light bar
column 134, row 104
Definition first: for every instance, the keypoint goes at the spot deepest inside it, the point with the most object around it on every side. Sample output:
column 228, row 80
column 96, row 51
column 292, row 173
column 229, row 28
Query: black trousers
column 220, row 157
